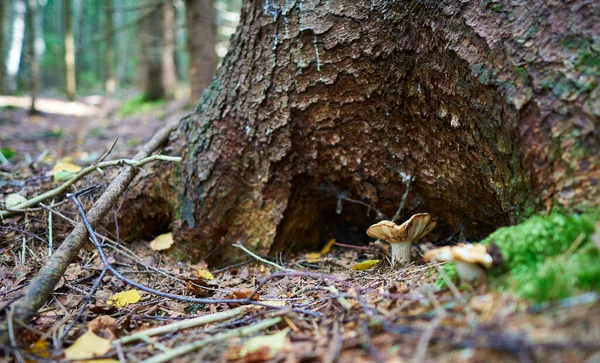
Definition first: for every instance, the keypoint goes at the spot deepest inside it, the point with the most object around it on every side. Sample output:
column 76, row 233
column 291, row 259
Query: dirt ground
column 319, row 308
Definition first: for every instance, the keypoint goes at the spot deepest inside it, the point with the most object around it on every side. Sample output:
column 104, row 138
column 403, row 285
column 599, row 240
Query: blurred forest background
column 130, row 49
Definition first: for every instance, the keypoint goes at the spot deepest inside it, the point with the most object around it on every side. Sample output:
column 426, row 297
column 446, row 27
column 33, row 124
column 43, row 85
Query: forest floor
column 310, row 307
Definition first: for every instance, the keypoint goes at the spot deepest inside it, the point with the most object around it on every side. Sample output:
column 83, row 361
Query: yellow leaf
column 124, row 298
column 64, row 169
column 40, row 348
column 365, row 265
column 327, row 246
column 205, row 274
column 162, row 242
column 88, row 345
column 312, row 257
column 267, row 346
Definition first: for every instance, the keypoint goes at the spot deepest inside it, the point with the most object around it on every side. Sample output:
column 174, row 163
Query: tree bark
column 488, row 111
column 201, row 45
column 69, row 49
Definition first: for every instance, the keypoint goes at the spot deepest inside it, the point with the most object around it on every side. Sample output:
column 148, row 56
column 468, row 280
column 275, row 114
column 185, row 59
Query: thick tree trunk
column 488, row 110
column 69, row 52
column 201, row 45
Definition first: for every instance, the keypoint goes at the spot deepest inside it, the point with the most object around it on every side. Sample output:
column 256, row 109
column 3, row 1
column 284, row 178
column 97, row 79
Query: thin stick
column 84, row 305
column 60, row 189
column 185, row 324
column 239, row 245
column 50, row 231
column 251, row 329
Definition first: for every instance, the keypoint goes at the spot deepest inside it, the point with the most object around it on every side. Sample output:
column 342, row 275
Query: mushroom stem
column 400, row 253
column 468, row 271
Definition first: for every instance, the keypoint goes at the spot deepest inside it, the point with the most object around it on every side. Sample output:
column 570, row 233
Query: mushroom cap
column 417, row 227
column 469, row 253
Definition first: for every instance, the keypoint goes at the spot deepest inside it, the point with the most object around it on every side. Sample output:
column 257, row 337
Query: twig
column 43, row 283
column 251, row 329
column 423, row 343
column 84, row 305
column 239, row 245
column 185, row 324
column 60, row 189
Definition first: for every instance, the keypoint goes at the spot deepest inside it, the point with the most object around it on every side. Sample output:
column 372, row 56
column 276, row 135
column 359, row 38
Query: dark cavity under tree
column 490, row 109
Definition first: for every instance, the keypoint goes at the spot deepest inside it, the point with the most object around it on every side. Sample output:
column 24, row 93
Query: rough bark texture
column 201, row 45
column 492, row 107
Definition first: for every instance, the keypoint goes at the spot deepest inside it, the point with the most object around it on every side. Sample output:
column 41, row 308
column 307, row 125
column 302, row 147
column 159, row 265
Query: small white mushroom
column 401, row 236
column 471, row 260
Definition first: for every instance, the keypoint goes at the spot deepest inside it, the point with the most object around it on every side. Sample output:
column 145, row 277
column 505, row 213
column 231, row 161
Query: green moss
column 546, row 258
column 139, row 104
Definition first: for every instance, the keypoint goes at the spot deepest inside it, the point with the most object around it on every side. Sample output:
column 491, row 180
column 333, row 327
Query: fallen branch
column 247, row 330
column 60, row 189
column 43, row 283
column 185, row 324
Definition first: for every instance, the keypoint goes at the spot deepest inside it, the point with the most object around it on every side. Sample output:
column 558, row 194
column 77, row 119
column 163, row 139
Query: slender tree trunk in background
column 32, row 60
column 201, row 45
column 3, row 6
column 169, row 72
column 110, row 81
column 156, row 39
column 69, row 49
column 16, row 45
column 491, row 109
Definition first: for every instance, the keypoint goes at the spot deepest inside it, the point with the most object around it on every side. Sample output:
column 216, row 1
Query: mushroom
column 402, row 236
column 471, row 260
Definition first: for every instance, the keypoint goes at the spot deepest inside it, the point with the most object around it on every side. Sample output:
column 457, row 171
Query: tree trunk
column 3, row 8
column 16, row 45
column 201, row 45
column 32, row 59
column 156, row 39
column 69, row 48
column 110, row 81
column 477, row 112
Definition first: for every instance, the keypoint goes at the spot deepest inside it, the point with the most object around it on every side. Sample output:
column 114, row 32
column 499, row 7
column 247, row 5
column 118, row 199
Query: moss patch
column 546, row 258
column 139, row 104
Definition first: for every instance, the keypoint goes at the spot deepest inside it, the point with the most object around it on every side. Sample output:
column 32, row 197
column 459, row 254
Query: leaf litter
column 325, row 306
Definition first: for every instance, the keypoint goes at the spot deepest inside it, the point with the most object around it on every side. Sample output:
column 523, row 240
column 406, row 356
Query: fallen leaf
column 124, row 298
column 365, row 265
column 241, row 294
column 162, row 242
column 40, row 348
column 327, row 247
column 312, row 257
column 260, row 348
column 88, row 345
column 13, row 200
column 64, row 169
column 205, row 274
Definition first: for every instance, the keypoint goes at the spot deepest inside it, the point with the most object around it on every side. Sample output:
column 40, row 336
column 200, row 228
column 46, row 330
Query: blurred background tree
column 71, row 48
